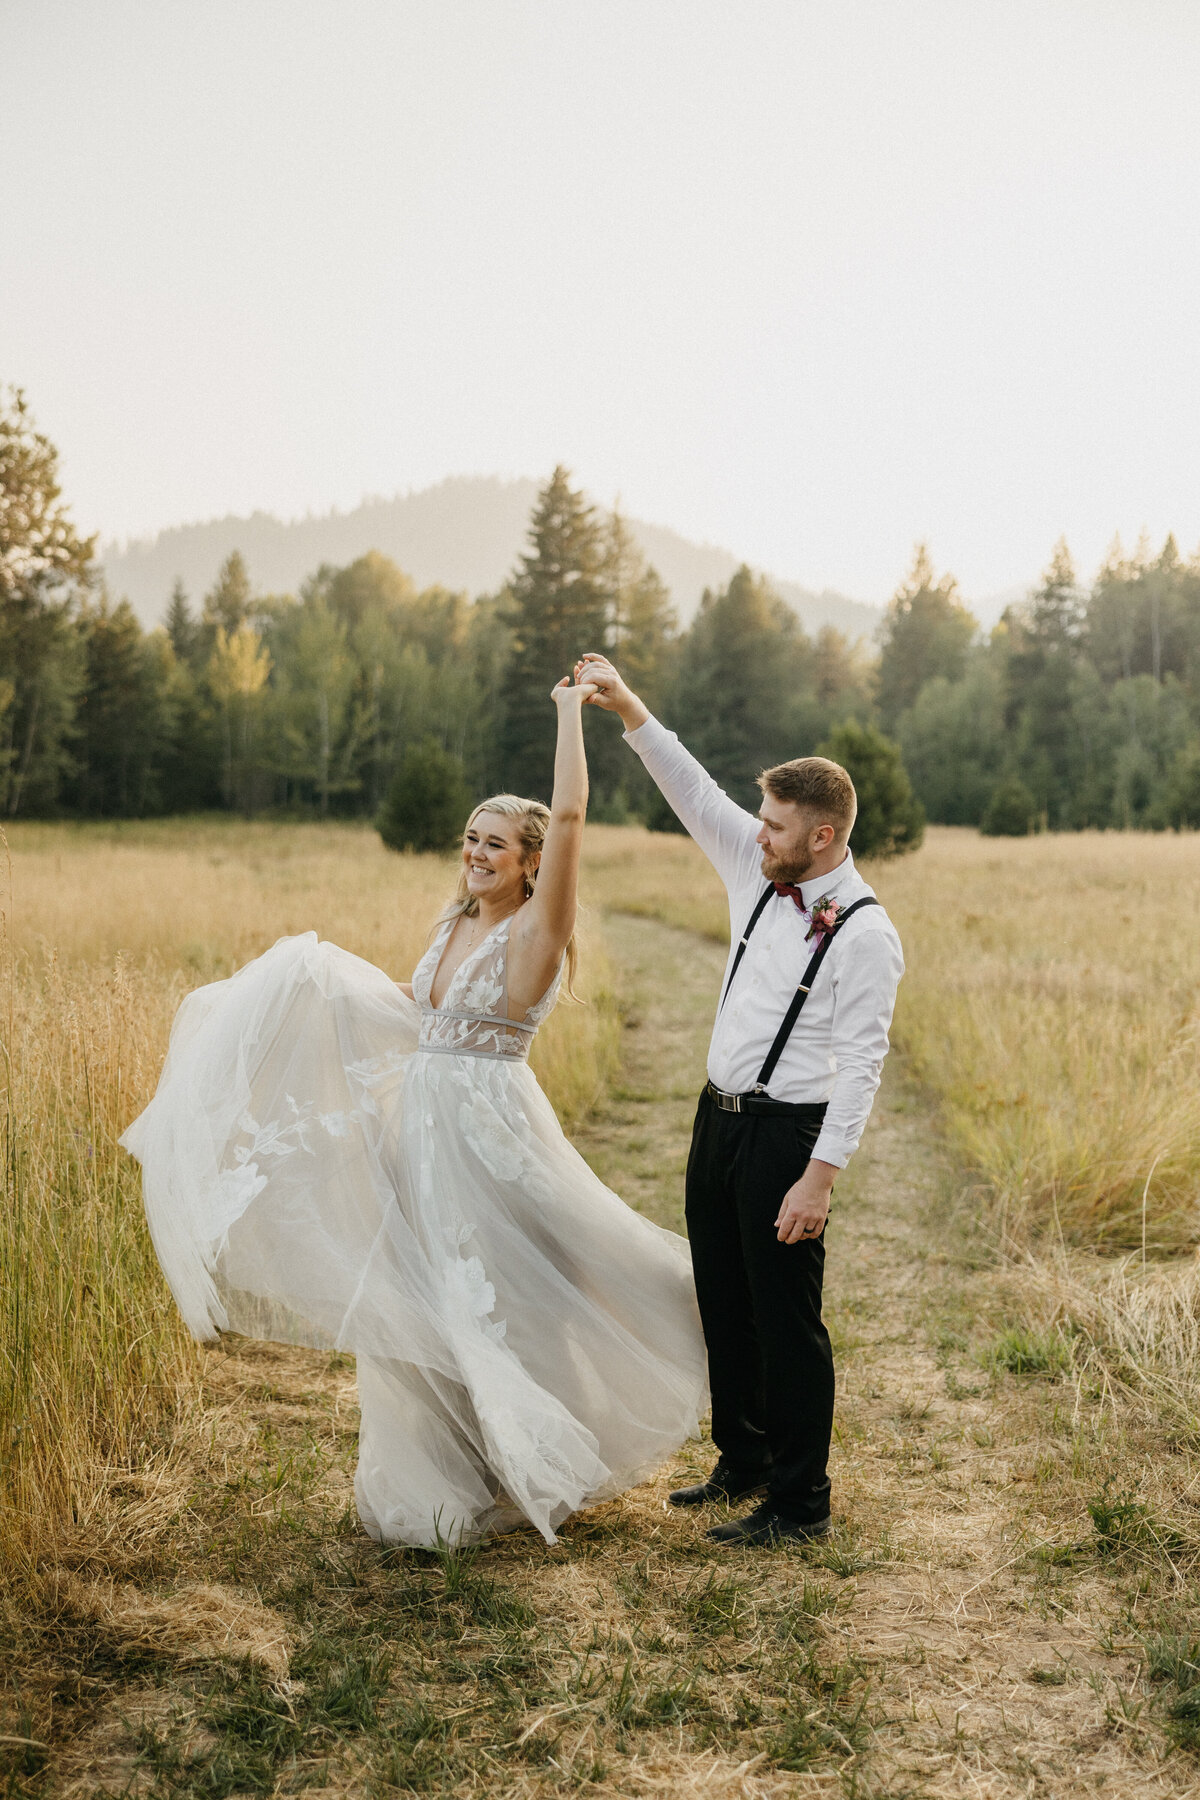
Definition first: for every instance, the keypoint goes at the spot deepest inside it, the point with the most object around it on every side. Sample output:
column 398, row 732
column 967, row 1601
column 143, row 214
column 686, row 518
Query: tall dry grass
column 655, row 875
column 104, row 931
column 1051, row 1005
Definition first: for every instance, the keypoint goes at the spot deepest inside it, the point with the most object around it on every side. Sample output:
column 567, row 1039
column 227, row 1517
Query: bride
column 333, row 1160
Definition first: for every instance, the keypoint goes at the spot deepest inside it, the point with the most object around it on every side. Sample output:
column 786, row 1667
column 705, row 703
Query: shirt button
column 429, row 1120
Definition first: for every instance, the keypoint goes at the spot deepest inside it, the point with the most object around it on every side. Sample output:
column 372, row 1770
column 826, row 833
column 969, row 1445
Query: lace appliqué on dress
column 473, row 1018
column 492, row 1139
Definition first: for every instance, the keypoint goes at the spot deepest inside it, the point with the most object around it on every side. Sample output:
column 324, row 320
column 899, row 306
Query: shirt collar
column 826, row 884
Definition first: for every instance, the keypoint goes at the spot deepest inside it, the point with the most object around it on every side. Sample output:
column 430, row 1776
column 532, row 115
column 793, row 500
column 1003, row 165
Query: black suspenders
column 802, row 992
column 755, row 916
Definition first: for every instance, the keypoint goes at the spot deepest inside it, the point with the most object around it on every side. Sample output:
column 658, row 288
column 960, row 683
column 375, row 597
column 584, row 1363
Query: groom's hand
column 611, row 692
column 806, row 1204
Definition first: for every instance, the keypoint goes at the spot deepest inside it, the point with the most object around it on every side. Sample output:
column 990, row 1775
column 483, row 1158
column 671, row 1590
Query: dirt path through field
column 997, row 1658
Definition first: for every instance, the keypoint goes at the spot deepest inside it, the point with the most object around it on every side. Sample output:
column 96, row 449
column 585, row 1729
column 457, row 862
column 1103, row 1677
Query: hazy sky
column 808, row 280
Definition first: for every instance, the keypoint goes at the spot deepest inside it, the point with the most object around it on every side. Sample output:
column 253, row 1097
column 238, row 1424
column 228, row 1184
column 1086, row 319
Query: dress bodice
column 474, row 1018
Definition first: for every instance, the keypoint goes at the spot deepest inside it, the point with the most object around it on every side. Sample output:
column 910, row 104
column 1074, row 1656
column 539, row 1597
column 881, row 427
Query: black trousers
column 770, row 1363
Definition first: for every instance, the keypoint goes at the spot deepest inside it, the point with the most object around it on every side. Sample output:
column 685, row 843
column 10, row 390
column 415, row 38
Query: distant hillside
column 465, row 533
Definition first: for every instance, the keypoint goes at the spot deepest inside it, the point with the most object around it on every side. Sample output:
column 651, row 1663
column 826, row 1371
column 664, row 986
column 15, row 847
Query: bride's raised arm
column 543, row 926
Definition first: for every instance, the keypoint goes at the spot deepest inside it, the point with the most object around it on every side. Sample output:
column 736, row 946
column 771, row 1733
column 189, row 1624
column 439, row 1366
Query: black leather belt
column 762, row 1103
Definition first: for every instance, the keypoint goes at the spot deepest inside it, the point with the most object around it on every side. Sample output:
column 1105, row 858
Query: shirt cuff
column 643, row 733
column 832, row 1150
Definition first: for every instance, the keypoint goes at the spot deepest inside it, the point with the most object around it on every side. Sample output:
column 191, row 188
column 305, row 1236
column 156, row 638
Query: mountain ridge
column 465, row 532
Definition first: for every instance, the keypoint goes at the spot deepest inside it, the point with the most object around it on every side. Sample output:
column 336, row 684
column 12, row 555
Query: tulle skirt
column 526, row 1343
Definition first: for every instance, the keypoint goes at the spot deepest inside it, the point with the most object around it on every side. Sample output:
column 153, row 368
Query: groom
column 797, row 1047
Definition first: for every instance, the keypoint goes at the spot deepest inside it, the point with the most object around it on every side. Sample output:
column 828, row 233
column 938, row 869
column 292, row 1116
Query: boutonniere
column 824, row 914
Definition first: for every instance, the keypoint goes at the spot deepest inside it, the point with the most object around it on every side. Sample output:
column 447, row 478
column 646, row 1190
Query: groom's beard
column 793, row 870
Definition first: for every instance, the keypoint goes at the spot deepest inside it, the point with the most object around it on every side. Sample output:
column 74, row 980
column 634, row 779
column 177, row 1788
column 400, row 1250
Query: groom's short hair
column 819, row 786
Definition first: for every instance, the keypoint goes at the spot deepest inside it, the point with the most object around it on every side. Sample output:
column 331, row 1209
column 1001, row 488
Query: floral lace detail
column 474, row 1018
column 280, row 1138
column 491, row 1137
column 256, row 1144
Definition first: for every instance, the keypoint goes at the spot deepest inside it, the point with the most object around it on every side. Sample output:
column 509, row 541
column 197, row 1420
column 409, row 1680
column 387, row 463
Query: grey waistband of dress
column 435, row 1012
column 506, row 1056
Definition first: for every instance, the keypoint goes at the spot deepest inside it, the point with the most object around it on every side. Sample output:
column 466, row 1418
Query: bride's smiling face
column 494, row 859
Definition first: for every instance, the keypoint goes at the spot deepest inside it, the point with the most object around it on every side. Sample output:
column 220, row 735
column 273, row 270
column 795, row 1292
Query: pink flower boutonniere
column 824, row 914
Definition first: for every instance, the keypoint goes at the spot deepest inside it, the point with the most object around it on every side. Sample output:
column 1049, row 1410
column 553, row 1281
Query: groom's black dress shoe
column 765, row 1526
column 723, row 1484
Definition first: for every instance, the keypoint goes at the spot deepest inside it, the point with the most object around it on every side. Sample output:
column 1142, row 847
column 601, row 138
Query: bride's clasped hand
column 336, row 1160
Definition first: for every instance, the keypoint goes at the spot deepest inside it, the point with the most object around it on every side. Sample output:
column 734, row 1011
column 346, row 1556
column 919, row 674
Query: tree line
column 1080, row 709
column 316, row 703
column 364, row 696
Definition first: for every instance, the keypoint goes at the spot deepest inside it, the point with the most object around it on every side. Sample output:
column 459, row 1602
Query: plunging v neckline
column 436, row 1006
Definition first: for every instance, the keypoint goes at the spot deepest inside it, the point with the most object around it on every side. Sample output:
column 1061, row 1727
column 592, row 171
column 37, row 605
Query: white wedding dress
column 326, row 1162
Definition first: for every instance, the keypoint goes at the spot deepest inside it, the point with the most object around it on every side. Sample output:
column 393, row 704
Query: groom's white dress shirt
column 836, row 1050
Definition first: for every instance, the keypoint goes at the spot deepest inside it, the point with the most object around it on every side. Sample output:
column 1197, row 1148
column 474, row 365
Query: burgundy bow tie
column 793, row 893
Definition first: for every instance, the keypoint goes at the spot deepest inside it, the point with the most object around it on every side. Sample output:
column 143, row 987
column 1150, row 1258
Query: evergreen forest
column 1081, row 708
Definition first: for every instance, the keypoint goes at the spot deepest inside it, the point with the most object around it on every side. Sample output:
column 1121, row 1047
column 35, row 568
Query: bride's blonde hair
column 534, row 817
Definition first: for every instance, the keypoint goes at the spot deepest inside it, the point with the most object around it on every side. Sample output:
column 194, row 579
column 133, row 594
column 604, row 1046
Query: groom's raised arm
column 725, row 832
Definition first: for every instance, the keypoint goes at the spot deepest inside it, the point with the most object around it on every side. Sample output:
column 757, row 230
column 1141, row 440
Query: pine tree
column 842, row 674
column 190, row 765
column 640, row 635
column 124, row 717
column 890, row 818
column 1183, row 788
column 953, row 740
column 1111, row 619
column 1011, row 811
column 44, row 567
column 40, row 550
column 1057, row 613
column 1044, row 654
column 642, row 621
column 228, row 603
column 557, row 610
column 741, row 680
column 427, row 803
column 927, row 632
column 181, row 628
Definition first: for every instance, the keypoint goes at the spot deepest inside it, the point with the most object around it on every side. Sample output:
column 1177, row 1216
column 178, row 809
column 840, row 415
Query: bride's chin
column 485, row 888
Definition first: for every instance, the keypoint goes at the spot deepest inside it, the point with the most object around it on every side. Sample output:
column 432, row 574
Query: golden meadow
column 1049, row 1011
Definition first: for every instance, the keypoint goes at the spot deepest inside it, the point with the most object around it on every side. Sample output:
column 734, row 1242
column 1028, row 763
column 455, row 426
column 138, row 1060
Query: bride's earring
column 528, row 888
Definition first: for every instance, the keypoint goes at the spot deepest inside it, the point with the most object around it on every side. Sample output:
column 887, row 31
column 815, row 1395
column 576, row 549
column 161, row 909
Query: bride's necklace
column 474, row 924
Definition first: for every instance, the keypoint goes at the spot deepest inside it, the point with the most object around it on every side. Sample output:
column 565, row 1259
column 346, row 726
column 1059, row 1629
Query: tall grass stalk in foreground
column 104, row 931
column 93, row 1359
